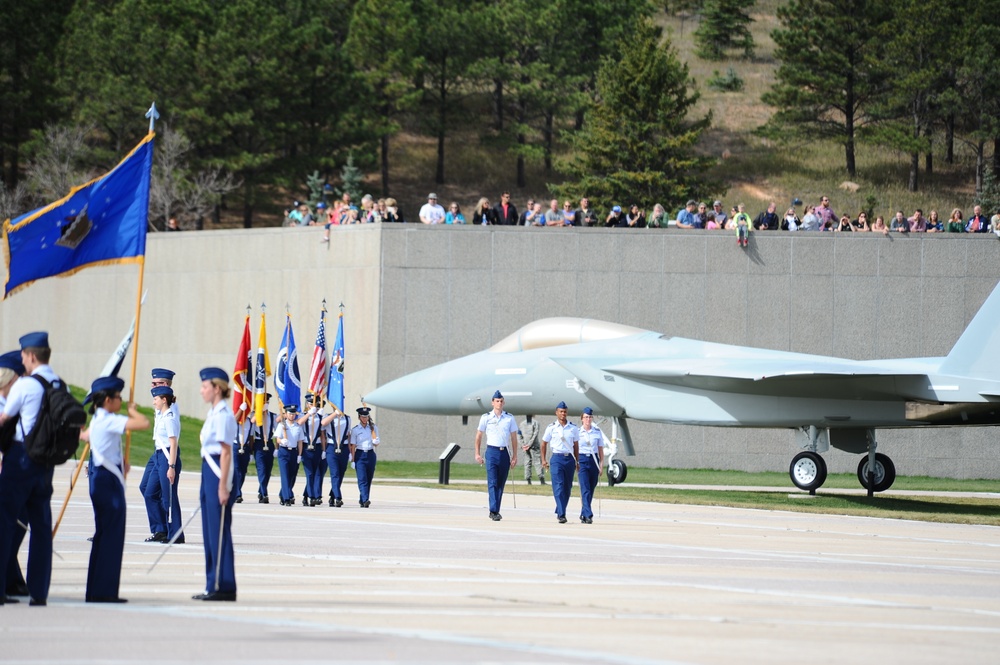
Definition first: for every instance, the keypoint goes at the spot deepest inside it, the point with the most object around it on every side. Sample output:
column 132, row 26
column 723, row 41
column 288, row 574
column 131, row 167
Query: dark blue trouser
column 289, row 469
column 312, row 465
column 588, row 481
column 338, row 467
column 149, row 487
column 497, row 468
column 105, row 572
column 563, row 467
column 168, row 495
column 27, row 487
column 14, row 577
column 364, row 464
column 263, row 458
column 242, row 465
column 211, row 512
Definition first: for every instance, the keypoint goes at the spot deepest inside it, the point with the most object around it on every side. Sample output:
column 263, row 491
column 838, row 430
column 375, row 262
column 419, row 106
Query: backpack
column 56, row 434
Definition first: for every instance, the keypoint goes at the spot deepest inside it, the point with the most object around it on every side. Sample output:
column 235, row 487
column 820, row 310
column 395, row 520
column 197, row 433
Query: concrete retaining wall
column 415, row 296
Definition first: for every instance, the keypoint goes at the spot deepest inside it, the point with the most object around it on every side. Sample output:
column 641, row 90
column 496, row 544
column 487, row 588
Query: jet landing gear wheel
column 885, row 472
column 617, row 471
column 808, row 471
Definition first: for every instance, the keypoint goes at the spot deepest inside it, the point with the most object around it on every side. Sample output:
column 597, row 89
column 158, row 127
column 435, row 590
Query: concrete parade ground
column 423, row 576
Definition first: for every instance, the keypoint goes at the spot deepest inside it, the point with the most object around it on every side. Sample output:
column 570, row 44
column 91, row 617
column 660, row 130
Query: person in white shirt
column 217, row 471
column 591, row 463
column 288, row 434
column 107, row 485
column 364, row 440
column 431, row 212
column 501, row 451
column 563, row 438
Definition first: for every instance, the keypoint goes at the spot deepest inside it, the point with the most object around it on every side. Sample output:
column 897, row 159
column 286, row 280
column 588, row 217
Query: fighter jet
column 623, row 372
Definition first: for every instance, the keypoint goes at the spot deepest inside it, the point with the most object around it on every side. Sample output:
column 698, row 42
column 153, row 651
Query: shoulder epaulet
column 170, row 414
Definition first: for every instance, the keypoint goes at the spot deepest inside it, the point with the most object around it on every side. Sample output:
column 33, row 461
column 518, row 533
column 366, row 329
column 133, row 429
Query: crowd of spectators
column 694, row 215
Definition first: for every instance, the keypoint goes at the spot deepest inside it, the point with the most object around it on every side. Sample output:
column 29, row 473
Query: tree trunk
column 929, row 163
column 385, row 165
column 980, row 165
column 549, row 133
column 996, row 155
column 914, row 171
column 852, row 167
column 498, row 105
column 442, row 120
column 949, row 139
column 247, row 215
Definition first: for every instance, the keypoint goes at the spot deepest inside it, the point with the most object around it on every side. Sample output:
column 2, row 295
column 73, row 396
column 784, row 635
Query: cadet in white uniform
column 288, row 434
column 501, row 451
column 563, row 438
column 591, row 463
column 364, row 440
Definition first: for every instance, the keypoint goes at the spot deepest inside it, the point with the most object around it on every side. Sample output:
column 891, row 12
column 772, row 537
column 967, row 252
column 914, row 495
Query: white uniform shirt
column 590, row 441
column 362, row 437
column 291, row 431
column 165, row 425
column 25, row 398
column 219, row 428
column 244, row 431
column 312, row 430
column 498, row 428
column 106, row 431
column 561, row 437
column 266, row 431
column 336, row 429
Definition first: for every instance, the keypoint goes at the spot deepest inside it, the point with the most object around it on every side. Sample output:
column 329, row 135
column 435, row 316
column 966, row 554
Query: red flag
column 242, row 394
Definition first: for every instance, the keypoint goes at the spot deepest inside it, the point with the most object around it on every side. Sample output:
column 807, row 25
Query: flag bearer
column 312, row 450
column 287, row 434
column 338, row 452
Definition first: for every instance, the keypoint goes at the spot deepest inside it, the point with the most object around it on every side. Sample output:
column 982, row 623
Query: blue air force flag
column 335, row 383
column 287, row 381
column 99, row 223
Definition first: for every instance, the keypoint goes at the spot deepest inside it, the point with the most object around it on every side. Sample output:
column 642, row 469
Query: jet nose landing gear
column 808, row 471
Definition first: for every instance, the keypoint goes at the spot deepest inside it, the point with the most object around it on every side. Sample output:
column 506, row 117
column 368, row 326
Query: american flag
column 317, row 371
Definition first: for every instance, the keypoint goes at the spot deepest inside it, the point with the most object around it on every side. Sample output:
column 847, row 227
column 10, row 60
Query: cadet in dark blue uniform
column 564, row 439
column 312, row 451
column 152, row 481
column 591, row 463
column 166, row 438
column 217, row 471
column 364, row 440
column 263, row 451
column 107, row 485
column 501, row 451
column 287, row 435
column 11, row 370
column 26, row 485
column 337, row 427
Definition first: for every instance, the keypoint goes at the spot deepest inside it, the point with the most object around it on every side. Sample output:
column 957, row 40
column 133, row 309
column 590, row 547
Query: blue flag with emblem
column 287, row 381
column 102, row 222
column 335, row 384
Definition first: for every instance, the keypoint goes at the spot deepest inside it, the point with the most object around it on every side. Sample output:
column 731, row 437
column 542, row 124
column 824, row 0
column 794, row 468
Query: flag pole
column 135, row 355
column 72, row 484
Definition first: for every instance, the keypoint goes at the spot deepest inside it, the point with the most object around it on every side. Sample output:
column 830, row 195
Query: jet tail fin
column 975, row 354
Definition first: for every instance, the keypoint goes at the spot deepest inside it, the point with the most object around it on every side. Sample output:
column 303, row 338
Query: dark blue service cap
column 363, row 410
column 210, row 373
column 104, row 384
column 35, row 339
column 309, row 397
column 497, row 395
column 12, row 360
column 291, row 408
column 561, row 405
column 160, row 391
column 161, row 373
column 587, row 411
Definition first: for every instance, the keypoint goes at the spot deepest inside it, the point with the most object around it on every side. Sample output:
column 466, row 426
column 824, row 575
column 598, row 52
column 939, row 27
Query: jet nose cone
column 417, row 392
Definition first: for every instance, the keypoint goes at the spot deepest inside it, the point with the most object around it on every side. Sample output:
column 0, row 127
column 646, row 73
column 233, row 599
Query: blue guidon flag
column 287, row 381
column 102, row 222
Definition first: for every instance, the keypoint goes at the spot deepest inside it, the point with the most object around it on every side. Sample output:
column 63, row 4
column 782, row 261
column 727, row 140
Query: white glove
column 353, row 465
column 375, row 441
column 323, row 455
column 350, row 458
column 312, row 411
column 298, row 460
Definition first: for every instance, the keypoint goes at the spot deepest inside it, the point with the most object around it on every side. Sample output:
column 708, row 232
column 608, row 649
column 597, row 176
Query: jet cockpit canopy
column 560, row 331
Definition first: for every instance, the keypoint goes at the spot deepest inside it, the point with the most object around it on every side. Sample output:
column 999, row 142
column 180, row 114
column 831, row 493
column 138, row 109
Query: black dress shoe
column 107, row 599
column 199, row 596
column 562, row 519
column 263, row 500
column 36, row 603
column 239, row 499
column 340, row 502
column 368, row 504
column 18, row 590
column 333, row 502
column 10, row 600
column 158, row 537
column 220, row 596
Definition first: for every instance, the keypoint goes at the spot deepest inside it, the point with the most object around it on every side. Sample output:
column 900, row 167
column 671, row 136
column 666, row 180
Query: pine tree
column 725, row 24
column 637, row 144
column 350, row 179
